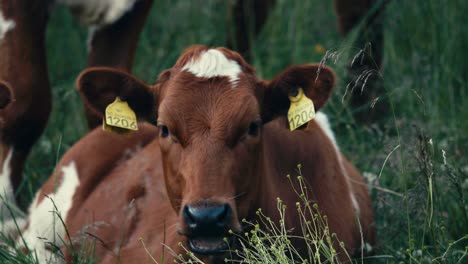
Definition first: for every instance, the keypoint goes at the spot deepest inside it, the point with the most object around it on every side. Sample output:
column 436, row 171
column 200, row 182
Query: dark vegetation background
column 415, row 158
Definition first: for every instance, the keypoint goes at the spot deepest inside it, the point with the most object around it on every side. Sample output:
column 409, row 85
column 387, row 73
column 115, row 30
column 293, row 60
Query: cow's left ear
column 99, row 86
column 316, row 80
column 6, row 94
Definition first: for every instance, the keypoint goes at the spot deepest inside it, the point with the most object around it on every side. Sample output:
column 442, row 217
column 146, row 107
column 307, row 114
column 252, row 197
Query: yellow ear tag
column 301, row 111
column 119, row 118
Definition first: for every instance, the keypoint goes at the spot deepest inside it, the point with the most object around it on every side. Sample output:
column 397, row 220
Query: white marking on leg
column 89, row 42
column 10, row 222
column 5, row 25
column 6, row 188
column 45, row 219
column 213, row 63
column 5, row 181
column 323, row 122
column 99, row 12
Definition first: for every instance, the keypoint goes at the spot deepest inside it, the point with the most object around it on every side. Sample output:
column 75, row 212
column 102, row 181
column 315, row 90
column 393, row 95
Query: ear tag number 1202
column 119, row 118
column 301, row 111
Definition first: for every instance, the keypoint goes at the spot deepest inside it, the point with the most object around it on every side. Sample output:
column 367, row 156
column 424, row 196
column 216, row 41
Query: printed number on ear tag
column 119, row 118
column 301, row 111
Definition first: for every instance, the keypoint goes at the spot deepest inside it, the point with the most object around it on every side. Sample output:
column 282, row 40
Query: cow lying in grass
column 219, row 148
column 23, row 58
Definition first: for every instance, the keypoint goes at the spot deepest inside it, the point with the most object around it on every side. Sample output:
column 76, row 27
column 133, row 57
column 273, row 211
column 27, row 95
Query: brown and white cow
column 23, row 60
column 23, row 66
column 221, row 150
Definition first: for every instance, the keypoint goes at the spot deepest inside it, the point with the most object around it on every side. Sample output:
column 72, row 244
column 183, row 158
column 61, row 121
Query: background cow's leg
column 23, row 66
column 114, row 45
column 364, row 79
column 248, row 19
column 250, row 16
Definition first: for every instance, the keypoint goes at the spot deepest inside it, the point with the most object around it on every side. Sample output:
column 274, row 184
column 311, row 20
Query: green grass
column 415, row 158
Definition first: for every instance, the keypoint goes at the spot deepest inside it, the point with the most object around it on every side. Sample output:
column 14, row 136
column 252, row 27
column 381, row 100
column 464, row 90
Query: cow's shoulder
column 98, row 153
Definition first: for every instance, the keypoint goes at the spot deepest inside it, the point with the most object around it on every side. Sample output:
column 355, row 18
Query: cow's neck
column 282, row 152
column 326, row 183
column 277, row 160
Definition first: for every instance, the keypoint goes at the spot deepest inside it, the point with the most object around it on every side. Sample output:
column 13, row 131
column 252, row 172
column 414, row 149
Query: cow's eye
column 163, row 131
column 253, row 129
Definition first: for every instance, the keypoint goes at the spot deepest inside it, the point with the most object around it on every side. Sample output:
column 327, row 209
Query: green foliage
column 414, row 159
column 271, row 242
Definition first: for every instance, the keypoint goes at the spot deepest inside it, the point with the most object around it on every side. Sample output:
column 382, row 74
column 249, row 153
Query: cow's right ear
column 317, row 82
column 6, row 95
column 99, row 86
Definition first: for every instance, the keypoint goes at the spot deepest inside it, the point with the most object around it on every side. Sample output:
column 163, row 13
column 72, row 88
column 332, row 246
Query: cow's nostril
column 188, row 217
column 200, row 218
column 222, row 216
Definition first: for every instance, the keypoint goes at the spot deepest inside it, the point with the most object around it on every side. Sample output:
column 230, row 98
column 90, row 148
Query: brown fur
column 6, row 95
column 207, row 158
column 6, row 98
column 350, row 13
column 23, row 66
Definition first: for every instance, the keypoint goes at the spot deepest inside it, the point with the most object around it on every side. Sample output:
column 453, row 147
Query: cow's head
column 210, row 109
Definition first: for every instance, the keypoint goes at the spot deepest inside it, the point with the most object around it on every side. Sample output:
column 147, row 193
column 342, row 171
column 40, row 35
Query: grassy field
column 415, row 158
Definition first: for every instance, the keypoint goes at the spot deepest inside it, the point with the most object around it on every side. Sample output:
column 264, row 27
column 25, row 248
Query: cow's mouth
column 210, row 245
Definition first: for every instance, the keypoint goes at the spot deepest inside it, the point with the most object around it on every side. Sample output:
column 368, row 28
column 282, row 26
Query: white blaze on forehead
column 323, row 122
column 99, row 12
column 5, row 25
column 213, row 63
column 45, row 225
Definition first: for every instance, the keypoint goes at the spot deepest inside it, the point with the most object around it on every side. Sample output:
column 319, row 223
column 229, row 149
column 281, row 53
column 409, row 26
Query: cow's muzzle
column 208, row 227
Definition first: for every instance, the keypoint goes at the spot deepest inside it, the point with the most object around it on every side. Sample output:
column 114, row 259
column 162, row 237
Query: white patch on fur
column 323, row 122
column 99, row 12
column 5, row 25
column 212, row 63
column 45, row 225
column 11, row 226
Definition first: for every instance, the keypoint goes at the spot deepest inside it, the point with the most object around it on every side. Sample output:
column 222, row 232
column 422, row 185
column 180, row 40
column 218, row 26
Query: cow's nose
column 206, row 220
